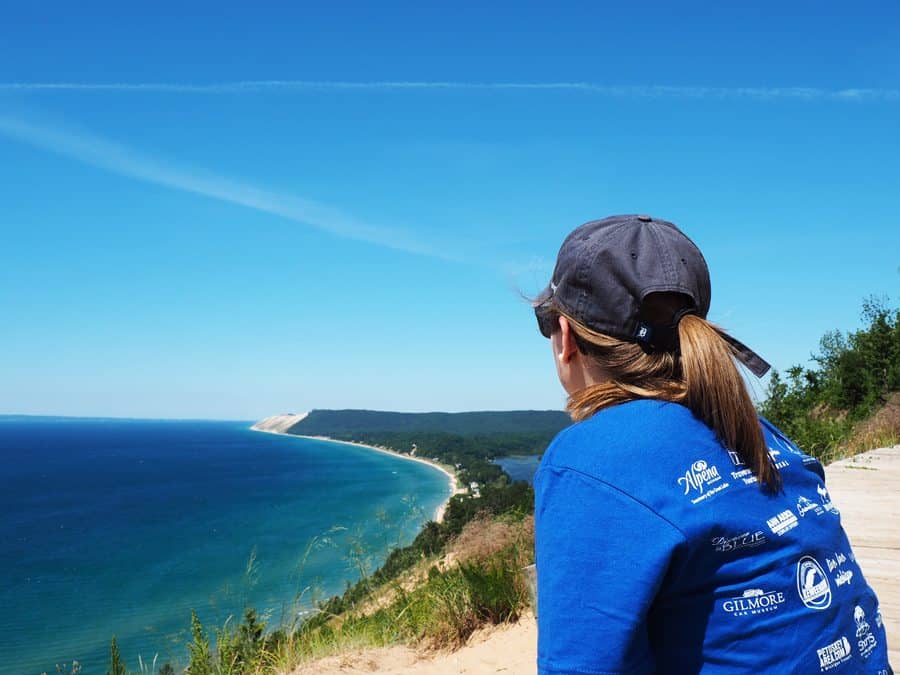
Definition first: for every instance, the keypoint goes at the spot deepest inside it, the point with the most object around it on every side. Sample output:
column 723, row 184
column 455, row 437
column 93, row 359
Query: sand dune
column 279, row 424
column 494, row 649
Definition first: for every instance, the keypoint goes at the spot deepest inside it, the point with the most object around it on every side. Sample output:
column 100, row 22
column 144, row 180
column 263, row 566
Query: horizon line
column 618, row 91
column 153, row 418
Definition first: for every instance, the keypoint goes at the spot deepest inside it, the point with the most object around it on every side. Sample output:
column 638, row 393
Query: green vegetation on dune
column 828, row 409
column 443, row 606
column 470, row 455
column 421, row 595
column 500, row 499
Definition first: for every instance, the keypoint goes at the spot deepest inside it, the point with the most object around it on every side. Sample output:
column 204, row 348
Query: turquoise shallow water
column 122, row 527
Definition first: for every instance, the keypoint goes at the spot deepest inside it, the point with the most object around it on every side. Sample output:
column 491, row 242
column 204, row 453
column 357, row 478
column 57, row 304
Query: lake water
column 122, row 527
column 520, row 467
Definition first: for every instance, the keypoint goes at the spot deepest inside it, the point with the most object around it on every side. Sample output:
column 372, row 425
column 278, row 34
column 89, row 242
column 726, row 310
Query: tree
column 854, row 374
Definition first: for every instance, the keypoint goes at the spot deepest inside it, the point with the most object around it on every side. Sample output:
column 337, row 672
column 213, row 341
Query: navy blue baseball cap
column 606, row 268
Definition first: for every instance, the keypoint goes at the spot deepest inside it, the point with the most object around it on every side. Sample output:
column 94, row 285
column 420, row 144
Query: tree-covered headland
column 465, row 441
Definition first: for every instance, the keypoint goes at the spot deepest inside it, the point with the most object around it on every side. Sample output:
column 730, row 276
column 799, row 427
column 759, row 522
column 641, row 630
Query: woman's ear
column 567, row 347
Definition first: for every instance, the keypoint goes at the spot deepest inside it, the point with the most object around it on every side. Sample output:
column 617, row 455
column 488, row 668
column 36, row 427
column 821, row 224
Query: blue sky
column 230, row 212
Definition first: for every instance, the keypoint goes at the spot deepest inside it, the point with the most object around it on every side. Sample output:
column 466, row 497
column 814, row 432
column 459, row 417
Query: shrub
column 116, row 665
column 855, row 374
column 200, row 657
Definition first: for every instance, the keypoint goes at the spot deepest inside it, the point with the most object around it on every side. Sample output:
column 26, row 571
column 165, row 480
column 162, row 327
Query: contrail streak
column 119, row 159
column 636, row 91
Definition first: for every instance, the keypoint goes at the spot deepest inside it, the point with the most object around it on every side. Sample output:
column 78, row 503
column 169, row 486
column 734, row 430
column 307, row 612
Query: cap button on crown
column 644, row 218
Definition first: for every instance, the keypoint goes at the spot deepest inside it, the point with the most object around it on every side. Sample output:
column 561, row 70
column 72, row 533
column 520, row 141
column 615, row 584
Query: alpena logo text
column 699, row 478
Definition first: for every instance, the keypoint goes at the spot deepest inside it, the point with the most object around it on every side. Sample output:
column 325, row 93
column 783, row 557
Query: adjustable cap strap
column 754, row 362
column 665, row 338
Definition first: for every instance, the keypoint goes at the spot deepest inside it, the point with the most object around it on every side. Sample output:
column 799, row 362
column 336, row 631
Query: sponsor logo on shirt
column 864, row 638
column 783, row 522
column 835, row 562
column 779, row 463
column 754, row 601
column 745, row 475
column 786, row 445
column 805, row 505
column 833, row 655
column 826, row 500
column 745, row 540
column 698, row 479
column 741, row 471
column 812, row 584
column 843, row 577
column 794, row 450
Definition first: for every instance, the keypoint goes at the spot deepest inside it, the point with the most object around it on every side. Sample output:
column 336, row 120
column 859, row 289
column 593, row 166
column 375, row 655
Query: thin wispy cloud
column 633, row 91
column 100, row 152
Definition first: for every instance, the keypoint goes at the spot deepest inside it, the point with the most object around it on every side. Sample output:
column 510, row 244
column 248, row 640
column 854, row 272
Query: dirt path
column 865, row 488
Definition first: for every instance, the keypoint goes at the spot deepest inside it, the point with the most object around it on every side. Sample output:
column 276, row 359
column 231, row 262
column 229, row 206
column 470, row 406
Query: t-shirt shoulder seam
column 622, row 492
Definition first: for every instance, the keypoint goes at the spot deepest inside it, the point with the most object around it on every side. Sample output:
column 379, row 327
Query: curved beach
column 279, row 424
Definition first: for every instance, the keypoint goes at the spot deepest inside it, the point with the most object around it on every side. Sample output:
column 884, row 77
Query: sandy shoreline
column 451, row 476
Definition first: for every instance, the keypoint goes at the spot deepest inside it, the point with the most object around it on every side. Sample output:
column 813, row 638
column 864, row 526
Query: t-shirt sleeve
column 601, row 557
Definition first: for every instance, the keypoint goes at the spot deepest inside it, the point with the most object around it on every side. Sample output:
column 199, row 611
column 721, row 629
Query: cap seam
column 669, row 269
column 590, row 260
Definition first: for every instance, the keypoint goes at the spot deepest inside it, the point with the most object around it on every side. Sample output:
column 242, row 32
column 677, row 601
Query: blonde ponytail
column 716, row 393
column 702, row 375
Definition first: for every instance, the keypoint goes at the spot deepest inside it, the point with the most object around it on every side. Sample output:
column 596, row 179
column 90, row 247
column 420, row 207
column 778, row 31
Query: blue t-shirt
column 657, row 552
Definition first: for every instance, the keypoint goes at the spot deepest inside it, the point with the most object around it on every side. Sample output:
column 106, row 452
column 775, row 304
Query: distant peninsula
column 463, row 443
column 490, row 422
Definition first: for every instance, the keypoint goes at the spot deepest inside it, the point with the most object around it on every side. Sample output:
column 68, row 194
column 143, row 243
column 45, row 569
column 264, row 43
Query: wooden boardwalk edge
column 866, row 490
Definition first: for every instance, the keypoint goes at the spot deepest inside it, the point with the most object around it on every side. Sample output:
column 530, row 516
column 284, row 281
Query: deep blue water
column 520, row 467
column 122, row 527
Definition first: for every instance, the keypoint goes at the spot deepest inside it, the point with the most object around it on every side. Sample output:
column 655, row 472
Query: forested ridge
column 466, row 441
column 328, row 422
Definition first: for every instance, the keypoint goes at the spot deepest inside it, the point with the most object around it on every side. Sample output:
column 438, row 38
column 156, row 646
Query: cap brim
column 754, row 362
